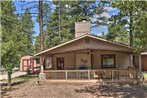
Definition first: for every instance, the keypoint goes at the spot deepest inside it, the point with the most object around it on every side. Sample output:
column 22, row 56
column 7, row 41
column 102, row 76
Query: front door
column 28, row 64
column 24, row 64
column 60, row 63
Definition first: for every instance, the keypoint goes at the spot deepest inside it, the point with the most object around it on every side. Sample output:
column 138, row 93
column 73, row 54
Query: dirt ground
column 48, row 89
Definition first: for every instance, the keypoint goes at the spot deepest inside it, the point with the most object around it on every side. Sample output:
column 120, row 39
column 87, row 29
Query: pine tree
column 26, row 26
column 16, row 39
column 36, row 45
column 61, row 21
column 10, row 38
column 125, row 26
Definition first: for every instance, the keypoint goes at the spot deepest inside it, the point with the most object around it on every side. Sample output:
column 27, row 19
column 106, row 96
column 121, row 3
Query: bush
column 28, row 71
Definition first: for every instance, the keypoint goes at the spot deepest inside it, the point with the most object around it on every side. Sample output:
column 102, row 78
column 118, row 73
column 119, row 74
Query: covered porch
column 89, row 59
column 89, row 64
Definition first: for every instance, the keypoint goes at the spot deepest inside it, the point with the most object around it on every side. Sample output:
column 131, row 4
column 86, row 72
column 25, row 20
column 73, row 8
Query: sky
column 96, row 30
column 111, row 11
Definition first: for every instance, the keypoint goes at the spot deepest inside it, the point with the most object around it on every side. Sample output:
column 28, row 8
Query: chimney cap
column 84, row 20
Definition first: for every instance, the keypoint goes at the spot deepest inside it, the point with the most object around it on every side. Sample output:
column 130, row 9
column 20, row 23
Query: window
column 108, row 61
column 60, row 63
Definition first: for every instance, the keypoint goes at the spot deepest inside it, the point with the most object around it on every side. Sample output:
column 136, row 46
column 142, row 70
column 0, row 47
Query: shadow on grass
column 6, row 89
column 13, row 83
column 16, row 81
column 116, row 90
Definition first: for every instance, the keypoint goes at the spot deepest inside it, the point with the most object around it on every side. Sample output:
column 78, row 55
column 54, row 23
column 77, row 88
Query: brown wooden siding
column 122, row 59
column 73, row 60
column 69, row 60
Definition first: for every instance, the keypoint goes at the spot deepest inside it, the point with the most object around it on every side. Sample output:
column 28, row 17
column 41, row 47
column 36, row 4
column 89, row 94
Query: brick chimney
column 82, row 28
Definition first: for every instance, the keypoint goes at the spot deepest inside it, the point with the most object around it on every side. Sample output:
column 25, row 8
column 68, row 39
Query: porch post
column 112, row 75
column 131, row 57
column 140, row 67
column 66, row 75
column 88, row 75
column 41, row 63
column 42, row 76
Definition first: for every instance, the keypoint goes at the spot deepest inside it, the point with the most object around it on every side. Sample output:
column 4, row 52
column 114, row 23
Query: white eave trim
column 144, row 53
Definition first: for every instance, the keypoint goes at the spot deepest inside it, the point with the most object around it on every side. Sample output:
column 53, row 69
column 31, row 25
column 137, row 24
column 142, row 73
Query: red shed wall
column 144, row 62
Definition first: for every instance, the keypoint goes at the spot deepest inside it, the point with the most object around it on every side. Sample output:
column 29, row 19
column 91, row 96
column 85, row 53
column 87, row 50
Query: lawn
column 23, row 78
column 19, row 79
column 46, row 89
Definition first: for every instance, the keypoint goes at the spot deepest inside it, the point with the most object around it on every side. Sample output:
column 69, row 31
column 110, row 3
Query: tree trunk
column 9, row 78
column 41, row 24
column 59, row 18
column 41, row 31
column 131, row 28
column 131, row 33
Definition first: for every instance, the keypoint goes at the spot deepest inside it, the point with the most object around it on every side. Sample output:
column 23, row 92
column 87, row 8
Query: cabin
column 144, row 61
column 88, row 57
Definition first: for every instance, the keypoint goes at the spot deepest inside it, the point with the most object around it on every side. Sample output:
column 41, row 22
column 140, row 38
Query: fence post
column 88, row 75
column 66, row 75
column 112, row 75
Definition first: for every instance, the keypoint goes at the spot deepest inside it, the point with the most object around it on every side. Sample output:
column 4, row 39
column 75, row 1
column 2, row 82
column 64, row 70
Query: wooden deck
column 109, row 75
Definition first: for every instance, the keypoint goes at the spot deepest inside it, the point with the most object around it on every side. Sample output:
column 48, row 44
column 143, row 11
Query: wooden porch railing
column 90, row 74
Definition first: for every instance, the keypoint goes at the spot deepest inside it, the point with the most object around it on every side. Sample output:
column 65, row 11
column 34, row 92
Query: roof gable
column 96, row 42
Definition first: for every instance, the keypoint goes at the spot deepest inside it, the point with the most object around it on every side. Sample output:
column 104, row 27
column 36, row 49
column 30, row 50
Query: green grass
column 23, row 78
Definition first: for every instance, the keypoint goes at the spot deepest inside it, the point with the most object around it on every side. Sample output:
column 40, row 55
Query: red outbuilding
column 27, row 62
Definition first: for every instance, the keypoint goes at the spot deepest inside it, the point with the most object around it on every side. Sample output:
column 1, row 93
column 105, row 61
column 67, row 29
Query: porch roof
column 83, row 36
